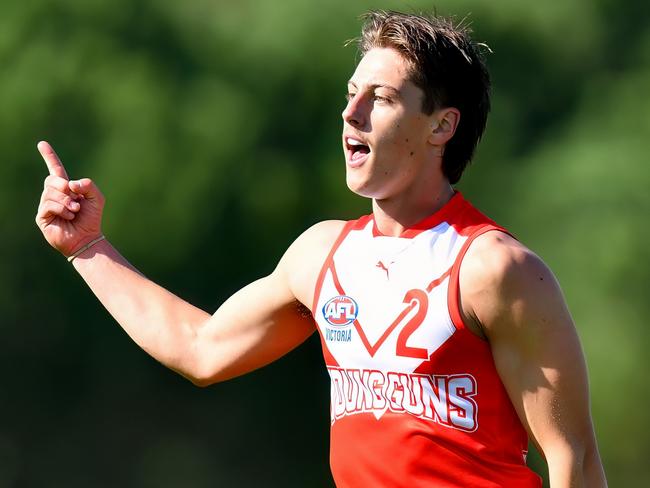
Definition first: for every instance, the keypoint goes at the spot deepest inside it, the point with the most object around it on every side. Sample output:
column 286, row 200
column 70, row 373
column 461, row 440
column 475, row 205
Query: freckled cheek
column 397, row 142
column 403, row 146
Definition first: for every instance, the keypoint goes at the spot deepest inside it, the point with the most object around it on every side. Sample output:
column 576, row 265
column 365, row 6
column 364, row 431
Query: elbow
column 203, row 375
column 593, row 471
column 201, row 382
column 576, row 464
column 192, row 362
column 207, row 376
column 194, row 372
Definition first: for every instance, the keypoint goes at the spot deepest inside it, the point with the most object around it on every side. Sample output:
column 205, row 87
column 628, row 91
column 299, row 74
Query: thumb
column 85, row 187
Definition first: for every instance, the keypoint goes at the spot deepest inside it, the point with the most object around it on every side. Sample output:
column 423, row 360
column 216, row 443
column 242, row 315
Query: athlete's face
column 386, row 136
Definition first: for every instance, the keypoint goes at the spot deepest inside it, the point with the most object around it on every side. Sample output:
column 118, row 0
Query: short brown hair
column 447, row 65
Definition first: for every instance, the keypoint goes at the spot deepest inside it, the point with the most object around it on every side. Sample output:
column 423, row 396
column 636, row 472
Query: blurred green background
column 213, row 129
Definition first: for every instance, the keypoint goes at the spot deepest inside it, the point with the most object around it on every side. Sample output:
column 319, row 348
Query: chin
column 355, row 183
column 360, row 187
column 354, row 187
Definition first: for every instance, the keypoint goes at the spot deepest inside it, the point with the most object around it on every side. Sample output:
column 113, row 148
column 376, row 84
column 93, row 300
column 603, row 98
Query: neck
column 394, row 215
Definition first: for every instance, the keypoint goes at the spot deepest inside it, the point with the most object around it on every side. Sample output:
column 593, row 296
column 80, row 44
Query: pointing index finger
column 54, row 164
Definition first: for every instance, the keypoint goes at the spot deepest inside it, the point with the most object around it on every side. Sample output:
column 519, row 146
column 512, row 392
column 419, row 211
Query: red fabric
column 399, row 449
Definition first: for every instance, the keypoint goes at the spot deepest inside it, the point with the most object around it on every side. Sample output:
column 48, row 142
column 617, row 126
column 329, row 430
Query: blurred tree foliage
column 213, row 129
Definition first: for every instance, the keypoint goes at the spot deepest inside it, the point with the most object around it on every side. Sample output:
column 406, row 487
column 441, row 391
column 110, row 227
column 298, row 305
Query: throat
column 393, row 216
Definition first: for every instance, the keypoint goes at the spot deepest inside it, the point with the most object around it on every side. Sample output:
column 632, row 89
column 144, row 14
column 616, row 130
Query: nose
column 353, row 112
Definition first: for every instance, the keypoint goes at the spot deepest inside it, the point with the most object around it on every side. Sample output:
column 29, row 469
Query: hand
column 70, row 212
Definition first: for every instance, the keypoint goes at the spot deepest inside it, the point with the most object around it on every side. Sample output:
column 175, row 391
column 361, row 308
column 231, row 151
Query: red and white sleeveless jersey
column 415, row 397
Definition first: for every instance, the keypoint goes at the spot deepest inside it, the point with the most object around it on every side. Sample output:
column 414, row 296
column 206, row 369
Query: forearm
column 255, row 326
column 158, row 321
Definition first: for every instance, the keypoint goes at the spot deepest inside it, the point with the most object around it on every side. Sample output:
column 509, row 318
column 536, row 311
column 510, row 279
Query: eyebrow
column 374, row 86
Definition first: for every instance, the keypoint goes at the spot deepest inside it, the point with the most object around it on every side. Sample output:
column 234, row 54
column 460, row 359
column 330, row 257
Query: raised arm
column 258, row 324
column 512, row 298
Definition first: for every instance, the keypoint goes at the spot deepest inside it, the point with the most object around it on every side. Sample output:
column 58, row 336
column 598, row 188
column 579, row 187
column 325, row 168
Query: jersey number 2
column 416, row 299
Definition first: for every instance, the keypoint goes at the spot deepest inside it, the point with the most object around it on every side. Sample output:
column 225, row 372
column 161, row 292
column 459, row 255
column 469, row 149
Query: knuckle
column 52, row 194
column 56, row 182
column 52, row 206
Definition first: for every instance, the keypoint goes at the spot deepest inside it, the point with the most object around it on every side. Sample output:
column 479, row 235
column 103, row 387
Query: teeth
column 354, row 142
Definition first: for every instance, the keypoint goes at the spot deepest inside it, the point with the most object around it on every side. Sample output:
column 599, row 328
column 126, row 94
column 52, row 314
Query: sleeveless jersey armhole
column 329, row 261
column 453, row 292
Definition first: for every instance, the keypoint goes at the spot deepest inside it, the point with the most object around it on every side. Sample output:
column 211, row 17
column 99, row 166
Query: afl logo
column 340, row 311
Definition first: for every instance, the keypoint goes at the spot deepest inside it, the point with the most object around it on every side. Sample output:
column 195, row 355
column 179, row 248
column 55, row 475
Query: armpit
column 302, row 310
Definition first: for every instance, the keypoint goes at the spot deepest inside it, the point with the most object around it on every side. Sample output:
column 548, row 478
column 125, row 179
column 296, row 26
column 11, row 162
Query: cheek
column 409, row 148
column 397, row 138
column 402, row 136
column 403, row 143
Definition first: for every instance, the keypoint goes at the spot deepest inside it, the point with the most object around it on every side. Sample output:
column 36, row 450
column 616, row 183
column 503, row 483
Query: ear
column 445, row 121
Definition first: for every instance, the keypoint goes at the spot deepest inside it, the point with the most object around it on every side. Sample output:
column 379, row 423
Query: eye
column 349, row 96
column 380, row 99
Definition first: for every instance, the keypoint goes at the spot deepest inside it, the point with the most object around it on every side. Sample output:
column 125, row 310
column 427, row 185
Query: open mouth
column 357, row 150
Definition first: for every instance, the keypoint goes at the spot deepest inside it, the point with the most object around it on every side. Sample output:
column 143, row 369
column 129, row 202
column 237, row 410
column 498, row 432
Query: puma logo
column 381, row 265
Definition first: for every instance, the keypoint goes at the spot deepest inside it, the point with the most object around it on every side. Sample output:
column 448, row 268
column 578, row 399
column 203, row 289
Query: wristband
column 85, row 248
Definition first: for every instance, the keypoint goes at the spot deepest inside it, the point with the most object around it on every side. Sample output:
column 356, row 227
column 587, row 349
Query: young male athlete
column 447, row 341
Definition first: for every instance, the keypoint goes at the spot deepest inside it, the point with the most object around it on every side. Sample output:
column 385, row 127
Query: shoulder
column 499, row 259
column 302, row 262
column 502, row 281
column 315, row 242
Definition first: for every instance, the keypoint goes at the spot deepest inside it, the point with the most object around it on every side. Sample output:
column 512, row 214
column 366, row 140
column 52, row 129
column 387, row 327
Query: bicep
column 258, row 324
column 266, row 319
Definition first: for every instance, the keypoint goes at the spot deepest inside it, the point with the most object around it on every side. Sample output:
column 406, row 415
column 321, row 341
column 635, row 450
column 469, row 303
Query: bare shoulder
column 313, row 244
column 502, row 281
column 302, row 262
column 499, row 258
column 322, row 233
